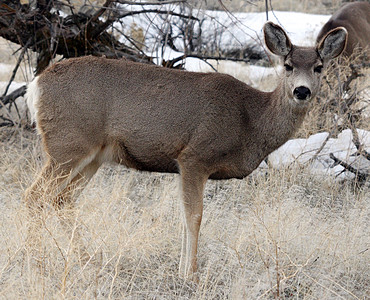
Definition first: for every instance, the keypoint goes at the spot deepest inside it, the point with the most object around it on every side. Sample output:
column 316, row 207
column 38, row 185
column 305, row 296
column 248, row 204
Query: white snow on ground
column 13, row 86
column 244, row 28
column 301, row 151
column 5, row 69
column 240, row 29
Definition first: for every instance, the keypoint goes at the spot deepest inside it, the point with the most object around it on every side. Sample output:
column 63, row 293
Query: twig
column 205, row 57
column 149, row 3
column 7, row 122
column 356, row 141
column 359, row 175
column 4, row 100
column 322, row 146
column 267, row 10
column 25, row 47
column 273, row 12
column 99, row 29
column 354, row 74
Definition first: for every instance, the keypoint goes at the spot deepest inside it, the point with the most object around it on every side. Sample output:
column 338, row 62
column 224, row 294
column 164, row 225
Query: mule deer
column 91, row 110
column 355, row 17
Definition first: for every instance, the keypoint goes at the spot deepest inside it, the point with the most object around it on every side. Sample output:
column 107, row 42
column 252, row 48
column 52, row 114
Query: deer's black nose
column 302, row 93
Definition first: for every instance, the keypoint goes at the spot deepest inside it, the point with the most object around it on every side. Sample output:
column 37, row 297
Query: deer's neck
column 278, row 121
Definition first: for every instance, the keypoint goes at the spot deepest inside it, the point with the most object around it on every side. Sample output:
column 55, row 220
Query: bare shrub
column 343, row 100
column 308, row 6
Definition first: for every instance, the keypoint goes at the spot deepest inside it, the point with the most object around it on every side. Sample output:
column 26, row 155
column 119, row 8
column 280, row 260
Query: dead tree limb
column 4, row 100
column 49, row 34
column 361, row 177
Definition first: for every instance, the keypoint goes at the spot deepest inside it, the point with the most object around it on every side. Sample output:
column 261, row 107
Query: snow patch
column 302, row 151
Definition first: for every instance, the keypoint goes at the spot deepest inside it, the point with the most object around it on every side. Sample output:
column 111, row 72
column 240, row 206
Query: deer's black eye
column 288, row 68
column 318, row 69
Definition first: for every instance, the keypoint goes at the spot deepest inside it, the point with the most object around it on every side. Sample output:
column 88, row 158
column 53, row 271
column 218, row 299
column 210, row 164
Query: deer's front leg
column 192, row 186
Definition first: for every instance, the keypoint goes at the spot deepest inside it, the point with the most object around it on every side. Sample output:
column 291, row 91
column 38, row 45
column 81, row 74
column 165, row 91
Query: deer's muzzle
column 302, row 93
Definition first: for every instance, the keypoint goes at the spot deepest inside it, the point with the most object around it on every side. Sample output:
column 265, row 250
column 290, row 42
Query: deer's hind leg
column 75, row 184
column 47, row 182
column 68, row 214
column 37, row 199
column 56, row 182
column 56, row 185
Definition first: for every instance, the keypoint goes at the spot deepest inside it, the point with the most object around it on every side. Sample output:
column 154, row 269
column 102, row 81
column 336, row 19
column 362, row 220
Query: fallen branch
column 359, row 175
column 4, row 100
column 7, row 122
column 50, row 34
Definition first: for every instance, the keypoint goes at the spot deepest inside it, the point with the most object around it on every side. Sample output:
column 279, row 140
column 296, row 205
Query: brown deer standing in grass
column 91, row 110
column 355, row 17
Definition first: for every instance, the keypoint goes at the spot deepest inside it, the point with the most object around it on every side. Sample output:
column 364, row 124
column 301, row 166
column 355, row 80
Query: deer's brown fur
column 202, row 125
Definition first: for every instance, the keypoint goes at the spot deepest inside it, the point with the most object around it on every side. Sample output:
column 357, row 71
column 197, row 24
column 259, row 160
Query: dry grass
column 281, row 232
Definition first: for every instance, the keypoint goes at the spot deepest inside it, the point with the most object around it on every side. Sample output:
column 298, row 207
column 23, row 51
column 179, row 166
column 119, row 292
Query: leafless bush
column 343, row 98
column 343, row 103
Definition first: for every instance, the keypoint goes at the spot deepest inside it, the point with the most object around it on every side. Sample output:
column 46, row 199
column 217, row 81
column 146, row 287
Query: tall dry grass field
column 276, row 234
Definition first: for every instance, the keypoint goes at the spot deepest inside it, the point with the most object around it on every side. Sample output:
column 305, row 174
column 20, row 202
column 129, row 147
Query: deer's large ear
column 333, row 43
column 277, row 41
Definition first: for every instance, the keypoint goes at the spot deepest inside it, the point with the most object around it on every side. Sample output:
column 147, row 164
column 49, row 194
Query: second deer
column 92, row 110
column 355, row 17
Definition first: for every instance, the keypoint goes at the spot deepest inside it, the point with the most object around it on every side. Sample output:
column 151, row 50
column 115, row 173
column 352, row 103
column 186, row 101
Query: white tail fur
column 32, row 96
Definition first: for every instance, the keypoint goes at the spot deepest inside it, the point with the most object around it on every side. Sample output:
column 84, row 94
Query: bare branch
column 7, row 122
column 360, row 176
column 101, row 11
column 354, row 74
column 172, row 62
column 4, row 100
column 122, row 15
column 356, row 141
column 149, row 3
column 17, row 66
column 322, row 146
